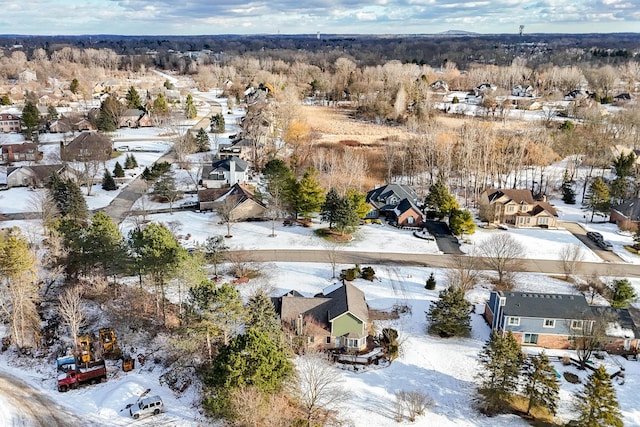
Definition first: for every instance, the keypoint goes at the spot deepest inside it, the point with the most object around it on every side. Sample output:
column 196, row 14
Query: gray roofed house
column 395, row 202
column 245, row 205
column 517, row 207
column 35, row 175
column 337, row 319
column 224, row 173
column 626, row 214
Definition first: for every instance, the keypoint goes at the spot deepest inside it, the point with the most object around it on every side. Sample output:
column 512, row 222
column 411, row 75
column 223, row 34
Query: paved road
column 432, row 260
column 30, row 407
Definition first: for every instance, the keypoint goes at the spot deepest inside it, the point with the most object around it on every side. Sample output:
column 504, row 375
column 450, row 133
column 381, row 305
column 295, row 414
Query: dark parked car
column 595, row 236
column 607, row 246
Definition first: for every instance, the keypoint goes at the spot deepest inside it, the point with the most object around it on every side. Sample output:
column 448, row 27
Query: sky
column 196, row 17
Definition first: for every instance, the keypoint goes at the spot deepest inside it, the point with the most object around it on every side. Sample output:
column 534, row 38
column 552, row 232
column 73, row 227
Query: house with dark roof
column 87, row 146
column 540, row 319
column 335, row 319
column 241, row 148
column 397, row 203
column 245, row 205
column 134, row 118
column 9, row 123
column 224, row 173
column 26, row 151
column 516, row 207
column 556, row 320
column 36, row 175
column 626, row 214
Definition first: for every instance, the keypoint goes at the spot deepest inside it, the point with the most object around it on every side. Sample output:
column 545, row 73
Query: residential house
column 397, row 203
column 540, row 319
column 626, row 214
column 576, row 95
column 483, row 89
column 24, row 152
column 36, row 175
column 224, row 173
column 440, row 86
column 523, row 91
column 134, row 118
column 622, row 98
column 336, row 319
column 241, row 148
column 9, row 123
column 87, row 146
column 555, row 320
column 516, row 207
column 245, row 205
column 26, row 76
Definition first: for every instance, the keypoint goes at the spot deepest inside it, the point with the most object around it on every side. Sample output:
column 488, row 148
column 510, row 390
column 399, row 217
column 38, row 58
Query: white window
column 549, row 323
column 513, row 321
column 576, row 324
column 543, row 220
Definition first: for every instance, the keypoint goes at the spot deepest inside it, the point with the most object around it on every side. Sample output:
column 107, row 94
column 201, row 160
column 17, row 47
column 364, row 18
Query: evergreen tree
column 261, row 316
column 127, row 162
column 30, row 119
column 440, row 200
column 190, row 111
column 52, row 113
column 133, row 98
column 359, row 202
column 345, row 216
column 461, row 222
column 568, row 193
column 541, row 386
column 501, row 360
column 168, row 85
column 251, row 359
column 328, row 212
column 108, row 183
column 221, row 306
column 5, row 100
column 104, row 246
column 599, row 199
column 118, row 172
column 622, row 294
column 597, row 403
column 217, row 123
column 160, row 105
column 68, row 198
column 109, row 114
column 636, row 238
column 202, row 141
column 74, row 85
column 449, row 316
column 309, row 195
column 431, row 282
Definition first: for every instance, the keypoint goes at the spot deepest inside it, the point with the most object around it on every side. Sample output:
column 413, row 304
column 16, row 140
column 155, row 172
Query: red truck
column 71, row 373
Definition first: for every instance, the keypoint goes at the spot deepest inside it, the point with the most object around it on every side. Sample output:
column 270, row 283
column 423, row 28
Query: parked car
column 151, row 405
column 595, row 236
column 604, row 244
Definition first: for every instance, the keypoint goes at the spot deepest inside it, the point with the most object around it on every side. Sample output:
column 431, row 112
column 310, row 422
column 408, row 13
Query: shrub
column 349, row 274
column 455, row 100
column 570, row 377
column 431, row 283
column 368, row 273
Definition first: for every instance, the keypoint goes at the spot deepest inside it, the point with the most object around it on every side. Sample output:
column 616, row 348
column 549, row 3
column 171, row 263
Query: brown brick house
column 25, row 152
column 87, row 146
column 516, row 207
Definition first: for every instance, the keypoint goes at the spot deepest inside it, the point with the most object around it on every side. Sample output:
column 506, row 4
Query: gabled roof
column 86, row 139
column 548, row 306
column 541, row 207
column 324, row 308
column 405, row 205
column 41, row 172
column 630, row 209
column 133, row 112
column 19, row 148
column 625, row 321
column 516, row 195
column 225, row 164
column 378, row 196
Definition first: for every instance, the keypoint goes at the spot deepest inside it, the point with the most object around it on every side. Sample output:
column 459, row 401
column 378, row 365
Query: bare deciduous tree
column 224, row 210
column 43, row 203
column 71, row 311
column 570, row 255
column 501, row 253
column 464, row 272
column 415, row 402
column 318, row 388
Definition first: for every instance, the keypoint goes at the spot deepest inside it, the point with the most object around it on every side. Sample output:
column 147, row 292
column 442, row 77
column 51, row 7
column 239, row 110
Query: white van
column 147, row 406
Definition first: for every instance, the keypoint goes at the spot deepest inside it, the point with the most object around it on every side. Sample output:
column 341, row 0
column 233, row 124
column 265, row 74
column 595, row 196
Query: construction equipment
column 108, row 340
column 128, row 363
column 84, row 344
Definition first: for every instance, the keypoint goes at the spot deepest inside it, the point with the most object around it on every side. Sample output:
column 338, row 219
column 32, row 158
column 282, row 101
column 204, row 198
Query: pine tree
column 108, row 183
column 190, row 111
column 74, row 85
column 133, row 162
column 461, row 222
column 431, row 282
column 202, row 141
column 501, row 360
column 599, row 199
column 568, row 193
column 622, row 294
column 441, row 200
column 328, row 212
column 345, row 216
column 30, row 119
column 68, row 197
column 160, row 105
column 261, row 316
column 217, row 123
column 359, row 202
column 133, row 98
column 309, row 196
column 109, row 114
column 449, row 316
column 127, row 162
column 118, row 172
column 541, row 385
column 597, row 403
column 105, row 247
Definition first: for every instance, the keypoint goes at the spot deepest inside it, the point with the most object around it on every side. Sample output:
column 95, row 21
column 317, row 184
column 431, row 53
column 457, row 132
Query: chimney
column 232, row 171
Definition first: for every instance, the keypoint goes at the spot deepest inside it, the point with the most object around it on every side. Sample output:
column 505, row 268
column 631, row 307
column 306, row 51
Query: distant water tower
column 521, row 30
column 318, row 35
